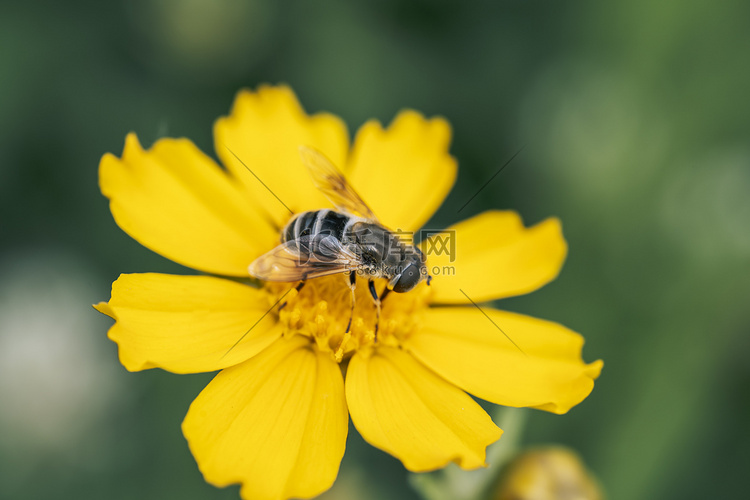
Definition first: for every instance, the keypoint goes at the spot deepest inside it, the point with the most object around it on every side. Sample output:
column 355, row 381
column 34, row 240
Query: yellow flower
column 550, row 473
column 275, row 418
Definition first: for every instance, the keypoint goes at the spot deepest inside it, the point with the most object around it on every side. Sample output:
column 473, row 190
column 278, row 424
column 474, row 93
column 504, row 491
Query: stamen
column 323, row 310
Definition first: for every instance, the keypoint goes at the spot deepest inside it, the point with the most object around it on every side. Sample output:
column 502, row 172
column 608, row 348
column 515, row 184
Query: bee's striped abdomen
column 318, row 222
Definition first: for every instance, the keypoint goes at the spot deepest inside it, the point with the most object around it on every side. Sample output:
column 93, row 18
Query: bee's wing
column 333, row 185
column 304, row 258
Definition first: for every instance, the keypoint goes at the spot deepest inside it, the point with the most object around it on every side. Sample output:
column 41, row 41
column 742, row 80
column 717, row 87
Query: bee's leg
column 377, row 300
column 352, row 286
column 298, row 288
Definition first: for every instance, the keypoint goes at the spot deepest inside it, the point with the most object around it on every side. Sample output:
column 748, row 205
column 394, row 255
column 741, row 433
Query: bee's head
column 412, row 272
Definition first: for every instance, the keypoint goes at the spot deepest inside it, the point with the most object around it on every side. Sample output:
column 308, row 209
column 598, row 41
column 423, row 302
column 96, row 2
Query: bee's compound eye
column 410, row 277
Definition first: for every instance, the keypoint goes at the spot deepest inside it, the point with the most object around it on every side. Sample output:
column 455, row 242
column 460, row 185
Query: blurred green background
column 634, row 120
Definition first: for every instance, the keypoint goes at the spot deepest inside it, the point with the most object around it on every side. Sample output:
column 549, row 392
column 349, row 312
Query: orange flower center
column 322, row 308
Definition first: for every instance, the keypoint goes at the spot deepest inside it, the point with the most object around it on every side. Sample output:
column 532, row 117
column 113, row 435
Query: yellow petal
column 176, row 201
column 405, row 409
column 187, row 324
column 276, row 423
column 265, row 130
column 495, row 256
column 462, row 345
column 405, row 172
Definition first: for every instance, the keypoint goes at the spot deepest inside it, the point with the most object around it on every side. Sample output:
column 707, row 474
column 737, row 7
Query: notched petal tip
column 540, row 368
column 579, row 391
column 477, row 461
column 413, row 149
column 103, row 307
column 407, row 410
column 132, row 145
column 187, row 324
column 594, row 369
column 263, row 101
column 259, row 140
column 175, row 200
column 131, row 150
column 276, row 423
column 552, row 229
column 435, row 130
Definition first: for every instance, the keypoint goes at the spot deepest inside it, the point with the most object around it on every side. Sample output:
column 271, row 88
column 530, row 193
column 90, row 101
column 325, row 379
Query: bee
column 348, row 240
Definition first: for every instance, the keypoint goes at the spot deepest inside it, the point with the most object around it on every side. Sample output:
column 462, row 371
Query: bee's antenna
column 490, row 179
column 258, row 178
column 487, row 316
column 256, row 324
